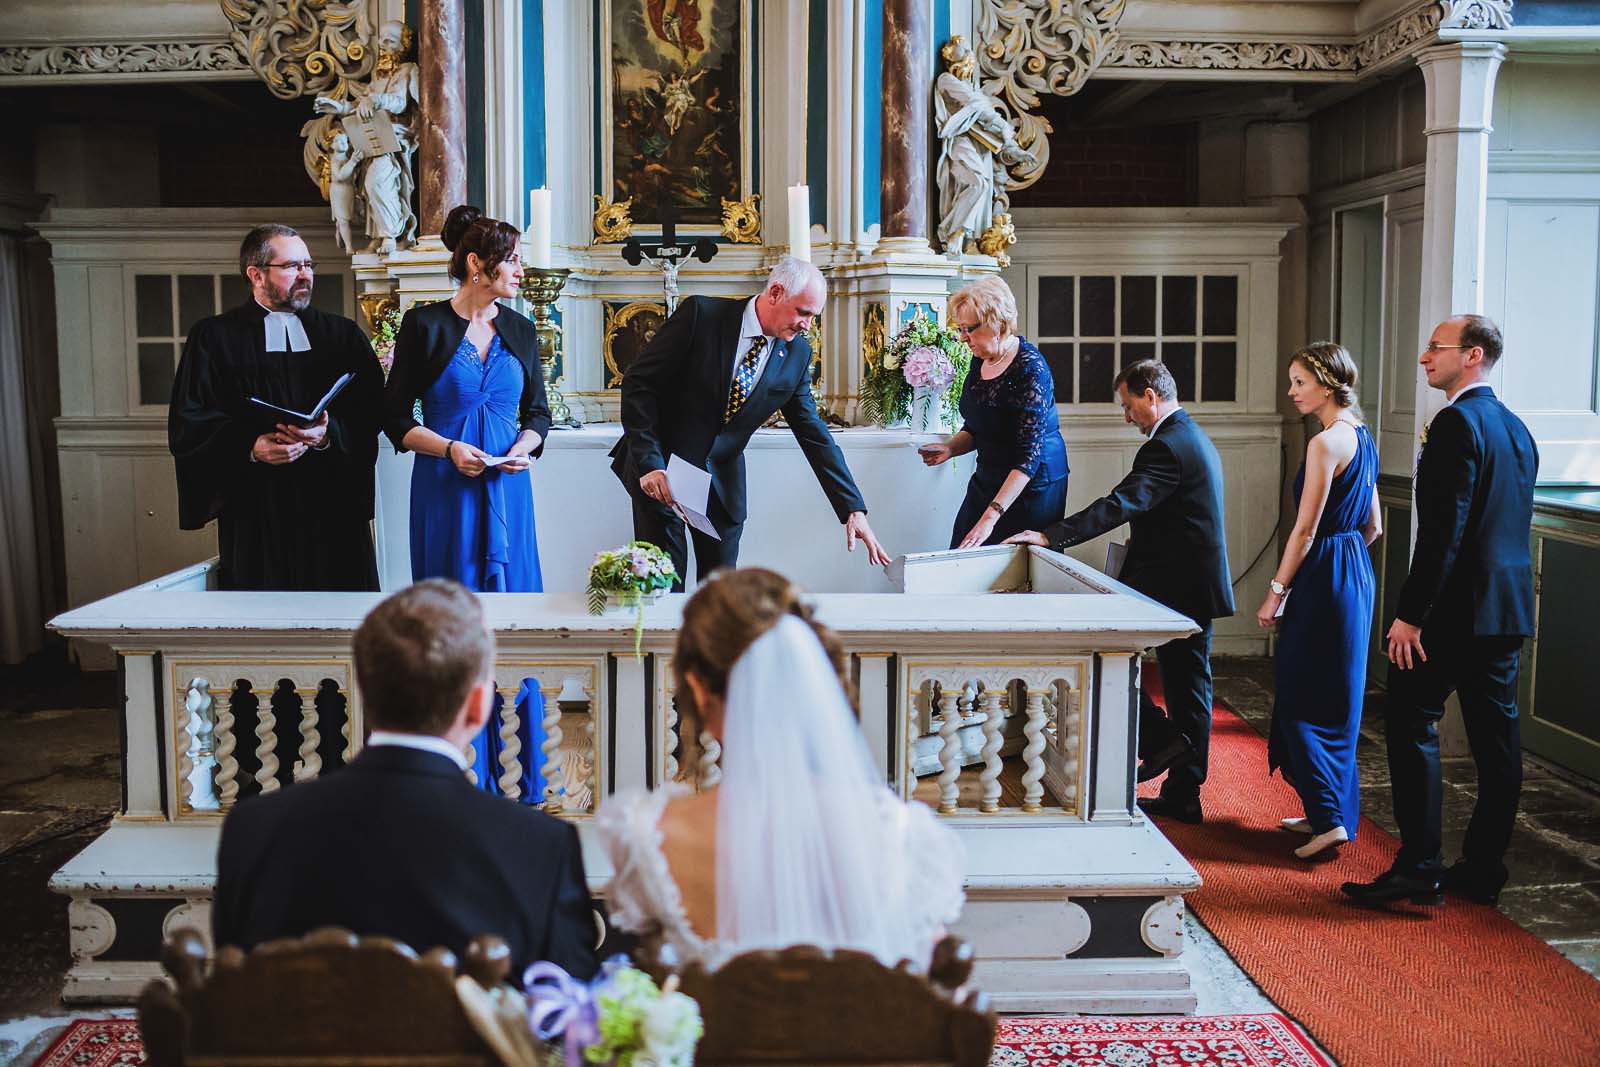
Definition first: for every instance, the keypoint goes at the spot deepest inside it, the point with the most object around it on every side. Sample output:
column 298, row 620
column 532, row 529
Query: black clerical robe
column 304, row 525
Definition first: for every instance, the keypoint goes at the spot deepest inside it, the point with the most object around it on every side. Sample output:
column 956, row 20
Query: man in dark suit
column 712, row 375
column 398, row 843
column 1464, row 609
column 1178, row 555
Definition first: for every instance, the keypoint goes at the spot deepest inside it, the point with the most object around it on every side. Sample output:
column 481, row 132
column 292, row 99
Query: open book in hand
column 301, row 418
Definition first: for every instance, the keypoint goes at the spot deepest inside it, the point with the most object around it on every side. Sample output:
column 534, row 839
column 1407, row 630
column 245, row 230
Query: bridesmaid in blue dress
column 1008, row 411
column 1326, row 623
column 473, row 363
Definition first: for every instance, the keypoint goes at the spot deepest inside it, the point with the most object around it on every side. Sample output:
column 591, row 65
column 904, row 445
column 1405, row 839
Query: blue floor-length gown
column 480, row 531
column 1322, row 651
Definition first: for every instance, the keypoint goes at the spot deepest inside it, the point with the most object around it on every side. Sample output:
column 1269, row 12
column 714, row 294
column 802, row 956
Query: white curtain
column 24, row 562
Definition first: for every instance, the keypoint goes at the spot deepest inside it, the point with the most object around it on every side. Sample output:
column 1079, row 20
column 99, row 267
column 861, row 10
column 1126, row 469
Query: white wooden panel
column 108, row 339
column 160, row 546
column 72, row 339
column 1549, row 319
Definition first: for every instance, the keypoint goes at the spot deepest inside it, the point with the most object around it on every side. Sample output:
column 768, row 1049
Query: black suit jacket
column 674, row 393
column 1472, row 569
column 426, row 343
column 1172, row 498
column 400, row 845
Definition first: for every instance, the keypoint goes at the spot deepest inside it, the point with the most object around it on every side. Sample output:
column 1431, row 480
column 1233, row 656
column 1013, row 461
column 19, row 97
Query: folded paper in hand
column 1116, row 555
column 302, row 418
column 691, row 494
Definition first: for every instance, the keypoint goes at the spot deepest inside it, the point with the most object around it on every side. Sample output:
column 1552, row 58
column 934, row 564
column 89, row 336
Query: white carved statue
column 380, row 115
column 342, row 166
column 977, row 147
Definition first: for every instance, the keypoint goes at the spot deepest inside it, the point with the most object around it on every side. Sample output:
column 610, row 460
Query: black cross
column 636, row 251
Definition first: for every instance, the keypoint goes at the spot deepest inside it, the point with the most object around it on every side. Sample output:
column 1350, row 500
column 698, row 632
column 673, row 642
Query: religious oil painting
column 676, row 103
column 629, row 326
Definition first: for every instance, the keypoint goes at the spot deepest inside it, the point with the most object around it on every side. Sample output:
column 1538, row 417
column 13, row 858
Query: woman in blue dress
column 1008, row 412
column 1326, row 624
column 473, row 363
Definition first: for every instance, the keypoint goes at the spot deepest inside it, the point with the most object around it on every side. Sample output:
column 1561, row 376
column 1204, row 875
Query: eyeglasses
column 1435, row 346
column 964, row 329
column 295, row 266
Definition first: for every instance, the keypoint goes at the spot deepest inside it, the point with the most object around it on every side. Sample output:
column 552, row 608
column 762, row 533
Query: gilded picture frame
column 675, row 90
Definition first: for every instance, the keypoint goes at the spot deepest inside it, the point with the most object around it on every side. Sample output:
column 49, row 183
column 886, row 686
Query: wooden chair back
column 803, row 1005
column 329, row 998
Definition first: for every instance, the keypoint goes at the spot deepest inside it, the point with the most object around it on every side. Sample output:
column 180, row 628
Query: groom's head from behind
column 424, row 662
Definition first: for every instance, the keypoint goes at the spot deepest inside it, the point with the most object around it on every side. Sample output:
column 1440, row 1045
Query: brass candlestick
column 540, row 287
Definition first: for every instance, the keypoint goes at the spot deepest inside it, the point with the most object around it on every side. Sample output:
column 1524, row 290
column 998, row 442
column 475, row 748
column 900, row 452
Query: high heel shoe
column 1297, row 826
column 1330, row 839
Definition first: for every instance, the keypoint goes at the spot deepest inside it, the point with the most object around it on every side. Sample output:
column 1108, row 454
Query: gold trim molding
column 612, row 221
column 741, row 220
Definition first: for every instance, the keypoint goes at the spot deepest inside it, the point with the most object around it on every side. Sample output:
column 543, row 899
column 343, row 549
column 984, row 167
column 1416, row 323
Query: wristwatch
column 999, row 508
column 1279, row 588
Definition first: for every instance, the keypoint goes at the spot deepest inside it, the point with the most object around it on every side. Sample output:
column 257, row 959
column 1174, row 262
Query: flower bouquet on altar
column 630, row 577
column 620, row 1019
column 916, row 380
column 383, row 338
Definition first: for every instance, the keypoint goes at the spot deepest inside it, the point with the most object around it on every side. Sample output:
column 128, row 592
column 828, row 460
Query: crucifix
column 667, row 253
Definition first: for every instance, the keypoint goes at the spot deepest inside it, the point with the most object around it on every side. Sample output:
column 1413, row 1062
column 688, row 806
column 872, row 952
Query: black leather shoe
column 1168, row 808
column 1463, row 881
column 1175, row 753
column 1392, row 886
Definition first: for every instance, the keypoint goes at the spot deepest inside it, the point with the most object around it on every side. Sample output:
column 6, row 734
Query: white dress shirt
column 1467, row 389
column 1162, row 419
column 285, row 331
column 420, row 742
column 749, row 330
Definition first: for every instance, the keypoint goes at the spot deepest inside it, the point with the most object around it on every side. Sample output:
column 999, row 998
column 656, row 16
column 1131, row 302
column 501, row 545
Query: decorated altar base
column 1074, row 901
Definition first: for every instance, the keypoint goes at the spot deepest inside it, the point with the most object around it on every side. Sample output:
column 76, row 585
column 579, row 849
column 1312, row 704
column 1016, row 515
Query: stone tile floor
column 60, row 782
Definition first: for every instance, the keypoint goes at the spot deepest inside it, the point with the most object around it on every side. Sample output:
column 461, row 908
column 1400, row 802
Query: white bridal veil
column 811, row 846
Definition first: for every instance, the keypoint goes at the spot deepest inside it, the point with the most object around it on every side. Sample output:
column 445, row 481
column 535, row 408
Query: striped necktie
column 744, row 379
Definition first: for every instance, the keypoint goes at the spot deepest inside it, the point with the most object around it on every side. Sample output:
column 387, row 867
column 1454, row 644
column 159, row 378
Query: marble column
column 442, row 140
column 907, row 84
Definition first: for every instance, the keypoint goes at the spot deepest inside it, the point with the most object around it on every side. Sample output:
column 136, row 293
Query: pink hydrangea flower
column 927, row 367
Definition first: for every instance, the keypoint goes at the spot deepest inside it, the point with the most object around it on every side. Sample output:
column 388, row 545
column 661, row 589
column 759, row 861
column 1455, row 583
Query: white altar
column 1075, row 901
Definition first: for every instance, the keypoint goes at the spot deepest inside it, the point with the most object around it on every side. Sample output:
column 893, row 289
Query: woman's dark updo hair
column 1333, row 368
column 722, row 619
column 467, row 230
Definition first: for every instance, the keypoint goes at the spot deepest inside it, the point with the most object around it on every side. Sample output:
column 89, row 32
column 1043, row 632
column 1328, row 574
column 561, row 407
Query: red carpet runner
column 95, row 1043
column 1459, row 984
column 1207, row 1041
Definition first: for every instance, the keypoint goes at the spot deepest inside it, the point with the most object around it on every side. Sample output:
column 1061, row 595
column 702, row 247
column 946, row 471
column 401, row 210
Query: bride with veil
column 801, row 842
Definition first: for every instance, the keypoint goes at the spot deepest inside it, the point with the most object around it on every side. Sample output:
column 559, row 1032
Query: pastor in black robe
column 304, row 525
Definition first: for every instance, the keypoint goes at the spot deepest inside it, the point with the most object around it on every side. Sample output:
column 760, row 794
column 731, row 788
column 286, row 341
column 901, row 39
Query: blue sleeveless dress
column 1322, row 651
column 479, row 531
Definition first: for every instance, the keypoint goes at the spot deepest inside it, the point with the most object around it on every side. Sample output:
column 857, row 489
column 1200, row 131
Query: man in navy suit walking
column 1463, row 613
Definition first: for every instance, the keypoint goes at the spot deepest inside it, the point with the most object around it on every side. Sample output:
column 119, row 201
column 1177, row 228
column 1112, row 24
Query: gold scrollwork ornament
column 874, row 331
column 1000, row 235
column 741, row 220
column 618, row 320
column 612, row 221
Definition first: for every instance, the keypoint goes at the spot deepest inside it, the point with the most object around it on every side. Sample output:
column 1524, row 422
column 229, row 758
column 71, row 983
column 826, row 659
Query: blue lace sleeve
column 1032, row 397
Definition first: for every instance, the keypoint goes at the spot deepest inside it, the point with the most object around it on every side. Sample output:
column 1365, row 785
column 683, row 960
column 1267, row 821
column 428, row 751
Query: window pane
column 1055, row 307
column 1220, row 370
column 1139, row 306
column 1059, row 355
column 235, row 290
column 196, row 300
column 327, row 293
column 1096, row 370
column 1099, row 297
column 156, row 363
column 1134, row 351
column 1221, row 304
column 1179, row 358
column 1177, row 306
column 152, row 303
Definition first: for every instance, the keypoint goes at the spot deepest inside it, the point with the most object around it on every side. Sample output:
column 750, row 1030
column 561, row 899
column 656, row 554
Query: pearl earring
column 475, row 278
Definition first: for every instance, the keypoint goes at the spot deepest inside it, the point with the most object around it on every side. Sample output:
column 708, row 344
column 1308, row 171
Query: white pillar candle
column 800, row 222
column 536, row 245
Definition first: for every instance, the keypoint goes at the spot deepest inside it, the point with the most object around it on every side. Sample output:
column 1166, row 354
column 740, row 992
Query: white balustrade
column 510, row 745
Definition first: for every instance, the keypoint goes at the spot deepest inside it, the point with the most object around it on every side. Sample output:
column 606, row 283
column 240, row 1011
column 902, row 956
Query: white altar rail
column 231, row 693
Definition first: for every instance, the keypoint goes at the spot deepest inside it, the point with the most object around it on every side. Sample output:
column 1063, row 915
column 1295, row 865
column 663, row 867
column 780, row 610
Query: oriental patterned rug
column 1149, row 1041
column 95, row 1043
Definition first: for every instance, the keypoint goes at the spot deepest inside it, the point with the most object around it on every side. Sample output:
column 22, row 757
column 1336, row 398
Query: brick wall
column 1139, row 167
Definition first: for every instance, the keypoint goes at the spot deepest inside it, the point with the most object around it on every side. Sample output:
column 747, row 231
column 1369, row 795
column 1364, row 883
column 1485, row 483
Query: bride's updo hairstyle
column 1333, row 368
column 468, row 230
column 723, row 618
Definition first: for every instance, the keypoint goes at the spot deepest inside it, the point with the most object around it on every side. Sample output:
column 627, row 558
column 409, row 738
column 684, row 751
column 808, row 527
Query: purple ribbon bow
column 561, row 1006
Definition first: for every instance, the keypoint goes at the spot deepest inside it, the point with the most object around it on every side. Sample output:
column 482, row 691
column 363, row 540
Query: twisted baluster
column 344, row 731
column 472, row 757
column 510, row 747
column 309, row 765
column 1032, row 754
column 672, row 738
column 710, row 761
column 994, row 722
column 267, row 747
column 1070, row 740
column 195, row 763
column 950, row 713
column 551, row 768
column 227, row 766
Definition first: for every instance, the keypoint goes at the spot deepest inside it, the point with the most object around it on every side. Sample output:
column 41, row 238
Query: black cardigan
column 428, row 338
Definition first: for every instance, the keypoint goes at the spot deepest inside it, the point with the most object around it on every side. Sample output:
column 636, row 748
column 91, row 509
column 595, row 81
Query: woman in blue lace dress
column 1008, row 412
column 473, row 363
column 1326, row 625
